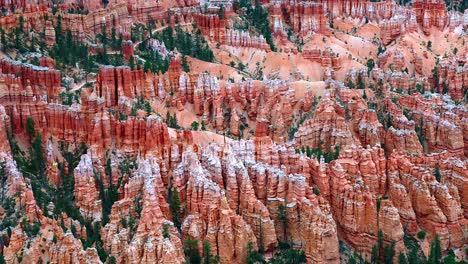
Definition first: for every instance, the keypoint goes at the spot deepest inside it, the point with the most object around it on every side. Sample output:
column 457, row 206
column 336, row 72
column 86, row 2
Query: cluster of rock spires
column 382, row 178
column 210, row 178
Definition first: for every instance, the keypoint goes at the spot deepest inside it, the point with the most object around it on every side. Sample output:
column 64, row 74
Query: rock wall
column 40, row 80
column 431, row 14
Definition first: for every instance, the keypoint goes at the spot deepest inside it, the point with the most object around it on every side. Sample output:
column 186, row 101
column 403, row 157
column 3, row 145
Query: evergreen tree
column 429, row 45
column 175, row 207
column 282, row 217
column 261, row 249
column 361, row 84
column 370, row 65
column 389, row 253
column 435, row 76
column 30, row 128
column 165, row 231
column 3, row 39
column 402, row 259
column 422, row 234
column 413, row 257
column 287, row 255
column 389, row 120
column 437, row 172
column 208, row 258
column 103, row 35
column 194, row 125
column 350, row 84
column 191, row 251
column 3, row 178
column 446, row 88
column 175, row 123
column 450, row 258
column 375, row 254
column 221, row 12
column 185, row 65
column 168, row 118
column 132, row 63
column 147, row 66
column 420, row 88
column 112, row 260
column 375, row 257
column 116, row 45
column 336, row 154
column 435, row 255
column 253, row 256
column 37, row 157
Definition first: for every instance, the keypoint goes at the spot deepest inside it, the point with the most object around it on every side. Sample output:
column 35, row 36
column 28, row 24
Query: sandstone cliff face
column 431, row 13
column 40, row 80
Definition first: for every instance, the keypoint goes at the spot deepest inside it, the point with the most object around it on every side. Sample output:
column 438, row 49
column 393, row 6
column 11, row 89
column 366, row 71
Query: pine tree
column 261, row 249
column 370, row 65
column 446, row 88
column 30, row 129
column 185, row 65
column 3, row 178
column 165, row 231
column 435, row 255
column 375, row 254
column 112, row 260
column 389, row 120
column 350, row 84
column 437, row 172
column 114, row 41
column 221, row 12
column 336, row 154
column 375, row 257
column 253, row 256
column 37, row 156
column 194, row 126
column 208, row 258
column 413, row 256
column 429, row 45
column 361, row 84
column 3, row 39
column 191, row 251
column 175, row 207
column 282, row 217
column 132, row 63
column 168, row 118
column 450, row 258
column 389, row 253
column 402, row 259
